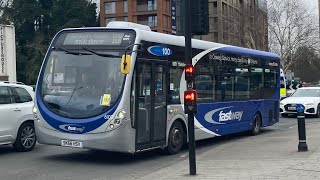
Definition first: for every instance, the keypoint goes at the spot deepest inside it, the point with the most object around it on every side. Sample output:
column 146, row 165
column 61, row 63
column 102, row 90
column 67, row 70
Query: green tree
column 36, row 22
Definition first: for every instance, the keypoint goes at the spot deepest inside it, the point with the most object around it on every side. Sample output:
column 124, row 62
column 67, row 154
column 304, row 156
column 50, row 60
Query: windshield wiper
column 101, row 54
column 73, row 52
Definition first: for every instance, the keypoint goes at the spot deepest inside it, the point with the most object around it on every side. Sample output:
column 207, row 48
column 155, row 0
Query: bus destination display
column 98, row 38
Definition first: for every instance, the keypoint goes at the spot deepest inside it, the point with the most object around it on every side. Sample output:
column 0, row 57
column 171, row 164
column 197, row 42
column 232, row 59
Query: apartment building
column 235, row 22
column 154, row 13
column 238, row 22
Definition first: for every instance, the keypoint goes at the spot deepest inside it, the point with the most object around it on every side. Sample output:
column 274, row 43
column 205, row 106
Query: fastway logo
column 224, row 116
column 72, row 128
column 229, row 116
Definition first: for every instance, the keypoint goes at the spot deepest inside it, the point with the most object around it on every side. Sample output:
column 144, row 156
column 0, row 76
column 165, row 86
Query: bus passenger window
column 204, row 86
column 256, row 83
column 174, row 91
column 224, row 84
column 241, row 84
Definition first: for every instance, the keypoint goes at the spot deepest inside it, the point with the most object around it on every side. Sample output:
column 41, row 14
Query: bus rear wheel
column 176, row 138
column 256, row 125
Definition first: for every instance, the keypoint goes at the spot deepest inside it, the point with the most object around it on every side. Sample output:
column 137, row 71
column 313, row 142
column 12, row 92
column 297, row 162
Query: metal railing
column 146, row 7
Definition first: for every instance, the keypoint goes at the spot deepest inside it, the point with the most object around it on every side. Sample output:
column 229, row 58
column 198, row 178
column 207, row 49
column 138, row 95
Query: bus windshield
column 79, row 84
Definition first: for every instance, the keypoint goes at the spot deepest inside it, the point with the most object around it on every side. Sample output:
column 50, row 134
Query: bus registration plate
column 69, row 143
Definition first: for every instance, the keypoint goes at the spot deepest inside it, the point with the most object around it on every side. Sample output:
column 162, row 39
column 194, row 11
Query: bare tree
column 254, row 28
column 249, row 26
column 291, row 25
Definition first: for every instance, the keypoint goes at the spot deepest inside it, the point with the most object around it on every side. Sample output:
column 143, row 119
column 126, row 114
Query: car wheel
column 284, row 115
column 256, row 126
column 176, row 138
column 318, row 111
column 26, row 138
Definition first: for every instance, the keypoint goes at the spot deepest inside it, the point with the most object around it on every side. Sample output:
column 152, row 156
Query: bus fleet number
column 166, row 51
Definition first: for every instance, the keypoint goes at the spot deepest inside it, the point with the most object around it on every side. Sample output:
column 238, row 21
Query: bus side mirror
column 125, row 64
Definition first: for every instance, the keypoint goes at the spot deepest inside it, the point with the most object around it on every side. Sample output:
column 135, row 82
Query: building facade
column 154, row 13
column 236, row 22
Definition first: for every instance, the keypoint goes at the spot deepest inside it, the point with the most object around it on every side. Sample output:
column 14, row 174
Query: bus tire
column 176, row 138
column 26, row 138
column 256, row 125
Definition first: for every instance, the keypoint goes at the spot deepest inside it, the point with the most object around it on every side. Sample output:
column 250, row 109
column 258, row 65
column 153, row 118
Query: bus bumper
column 121, row 139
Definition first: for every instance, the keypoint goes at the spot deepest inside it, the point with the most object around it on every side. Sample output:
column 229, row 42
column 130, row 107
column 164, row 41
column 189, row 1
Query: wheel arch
column 21, row 123
column 180, row 118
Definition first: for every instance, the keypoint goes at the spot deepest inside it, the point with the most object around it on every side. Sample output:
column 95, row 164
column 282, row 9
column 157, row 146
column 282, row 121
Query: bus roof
column 200, row 44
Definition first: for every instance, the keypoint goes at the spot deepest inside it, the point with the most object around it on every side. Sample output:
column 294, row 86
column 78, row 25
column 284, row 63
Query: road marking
column 184, row 155
column 293, row 126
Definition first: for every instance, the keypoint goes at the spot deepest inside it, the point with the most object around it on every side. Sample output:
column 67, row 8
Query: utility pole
column 189, row 95
column 198, row 12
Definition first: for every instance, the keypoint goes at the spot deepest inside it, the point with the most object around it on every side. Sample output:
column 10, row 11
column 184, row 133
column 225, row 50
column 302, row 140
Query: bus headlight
column 117, row 121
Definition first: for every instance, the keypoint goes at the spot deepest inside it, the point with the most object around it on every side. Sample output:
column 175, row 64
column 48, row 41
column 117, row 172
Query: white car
column 16, row 116
column 308, row 96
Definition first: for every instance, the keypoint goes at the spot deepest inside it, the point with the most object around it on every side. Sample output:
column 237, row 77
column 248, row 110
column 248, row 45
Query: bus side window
column 175, row 74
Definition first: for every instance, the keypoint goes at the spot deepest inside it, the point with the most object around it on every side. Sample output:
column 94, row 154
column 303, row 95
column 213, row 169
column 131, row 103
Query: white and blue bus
column 84, row 100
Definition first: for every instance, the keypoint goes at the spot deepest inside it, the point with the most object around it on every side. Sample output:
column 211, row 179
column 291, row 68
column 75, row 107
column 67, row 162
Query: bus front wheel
column 176, row 138
column 256, row 125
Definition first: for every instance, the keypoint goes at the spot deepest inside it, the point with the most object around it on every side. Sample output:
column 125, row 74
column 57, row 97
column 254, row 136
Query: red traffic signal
column 190, row 101
column 189, row 72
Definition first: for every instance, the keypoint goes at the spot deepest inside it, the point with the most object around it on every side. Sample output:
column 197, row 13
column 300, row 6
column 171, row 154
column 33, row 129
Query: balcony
column 146, row 7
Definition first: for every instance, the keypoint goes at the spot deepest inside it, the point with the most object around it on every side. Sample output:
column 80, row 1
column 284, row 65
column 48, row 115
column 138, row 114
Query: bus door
column 151, row 105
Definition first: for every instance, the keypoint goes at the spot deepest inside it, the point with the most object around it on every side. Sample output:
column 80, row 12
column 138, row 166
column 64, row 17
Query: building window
column 150, row 21
column 152, row 5
column 215, row 37
column 125, row 19
column 109, row 20
column 144, row 5
column 125, row 6
column 215, row 8
column 110, row 7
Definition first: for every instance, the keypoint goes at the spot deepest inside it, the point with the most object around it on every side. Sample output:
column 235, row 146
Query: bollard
column 301, row 128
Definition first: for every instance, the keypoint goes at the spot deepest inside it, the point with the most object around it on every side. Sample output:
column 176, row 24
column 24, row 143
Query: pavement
column 275, row 156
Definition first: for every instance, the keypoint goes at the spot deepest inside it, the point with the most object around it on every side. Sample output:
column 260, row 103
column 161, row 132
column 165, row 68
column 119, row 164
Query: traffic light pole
column 188, row 60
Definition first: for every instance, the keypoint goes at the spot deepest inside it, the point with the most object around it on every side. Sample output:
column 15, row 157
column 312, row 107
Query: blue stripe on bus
column 88, row 124
column 248, row 52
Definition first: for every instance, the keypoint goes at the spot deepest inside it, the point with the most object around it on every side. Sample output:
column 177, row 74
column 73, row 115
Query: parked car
column 16, row 116
column 308, row 96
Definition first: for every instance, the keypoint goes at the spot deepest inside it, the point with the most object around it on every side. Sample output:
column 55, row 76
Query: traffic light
column 199, row 17
column 190, row 101
column 189, row 72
